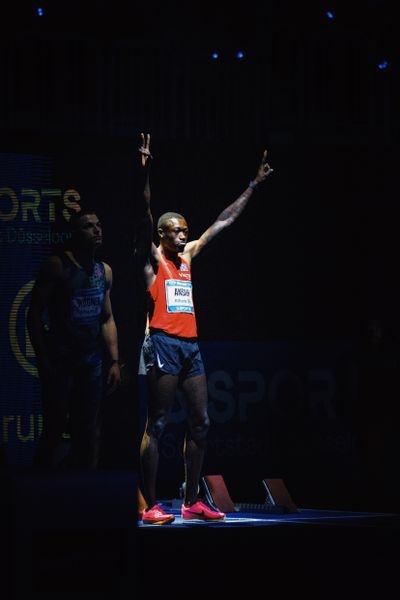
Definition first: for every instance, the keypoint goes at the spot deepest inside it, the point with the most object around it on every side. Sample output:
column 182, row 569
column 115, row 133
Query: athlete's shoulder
column 107, row 267
column 107, row 272
column 52, row 265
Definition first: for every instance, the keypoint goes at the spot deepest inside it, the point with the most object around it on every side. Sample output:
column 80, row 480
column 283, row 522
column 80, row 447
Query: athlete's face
column 175, row 234
column 89, row 233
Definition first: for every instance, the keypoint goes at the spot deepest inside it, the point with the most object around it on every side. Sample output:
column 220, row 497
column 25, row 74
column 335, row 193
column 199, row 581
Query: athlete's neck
column 84, row 260
column 173, row 256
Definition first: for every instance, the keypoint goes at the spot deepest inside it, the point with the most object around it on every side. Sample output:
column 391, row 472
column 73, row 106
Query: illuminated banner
column 273, row 407
column 32, row 212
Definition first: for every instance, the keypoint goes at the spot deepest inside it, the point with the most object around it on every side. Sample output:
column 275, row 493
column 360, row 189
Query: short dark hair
column 162, row 221
column 76, row 215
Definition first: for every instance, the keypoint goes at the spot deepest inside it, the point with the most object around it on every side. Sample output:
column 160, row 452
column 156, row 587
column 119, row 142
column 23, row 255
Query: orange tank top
column 171, row 299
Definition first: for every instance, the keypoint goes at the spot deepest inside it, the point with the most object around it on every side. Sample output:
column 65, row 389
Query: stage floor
column 314, row 553
column 76, row 536
column 258, row 518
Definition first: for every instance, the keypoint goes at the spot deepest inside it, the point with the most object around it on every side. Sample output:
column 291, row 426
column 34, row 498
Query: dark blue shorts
column 172, row 355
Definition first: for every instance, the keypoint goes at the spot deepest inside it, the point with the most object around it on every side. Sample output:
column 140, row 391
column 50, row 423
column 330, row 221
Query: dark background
column 314, row 255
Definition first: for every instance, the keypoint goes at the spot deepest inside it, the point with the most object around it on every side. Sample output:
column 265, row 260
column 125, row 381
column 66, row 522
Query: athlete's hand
column 145, row 149
column 263, row 170
column 113, row 378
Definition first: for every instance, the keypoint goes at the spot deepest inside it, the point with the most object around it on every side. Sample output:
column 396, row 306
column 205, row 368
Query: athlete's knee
column 155, row 428
column 199, row 429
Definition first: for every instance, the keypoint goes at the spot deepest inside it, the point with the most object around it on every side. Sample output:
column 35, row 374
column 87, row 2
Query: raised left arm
column 231, row 212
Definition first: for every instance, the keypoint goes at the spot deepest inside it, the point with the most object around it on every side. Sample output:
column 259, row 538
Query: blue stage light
column 215, row 55
column 330, row 14
column 40, row 12
column 239, row 54
column 383, row 65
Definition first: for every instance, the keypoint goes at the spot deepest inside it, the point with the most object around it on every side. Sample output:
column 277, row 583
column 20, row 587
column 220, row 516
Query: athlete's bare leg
column 195, row 394
column 162, row 391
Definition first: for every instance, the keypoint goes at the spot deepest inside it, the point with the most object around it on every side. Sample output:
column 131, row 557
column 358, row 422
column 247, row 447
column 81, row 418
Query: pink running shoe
column 157, row 516
column 201, row 511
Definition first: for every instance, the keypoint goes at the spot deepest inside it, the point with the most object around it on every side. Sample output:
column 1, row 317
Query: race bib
column 86, row 305
column 179, row 296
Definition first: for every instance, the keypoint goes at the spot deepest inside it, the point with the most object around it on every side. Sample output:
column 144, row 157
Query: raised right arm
column 146, row 252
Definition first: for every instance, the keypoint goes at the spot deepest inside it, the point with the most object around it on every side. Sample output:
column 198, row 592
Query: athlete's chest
column 178, row 269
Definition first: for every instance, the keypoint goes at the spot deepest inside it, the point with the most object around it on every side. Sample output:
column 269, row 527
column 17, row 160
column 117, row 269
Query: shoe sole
column 161, row 522
column 203, row 518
